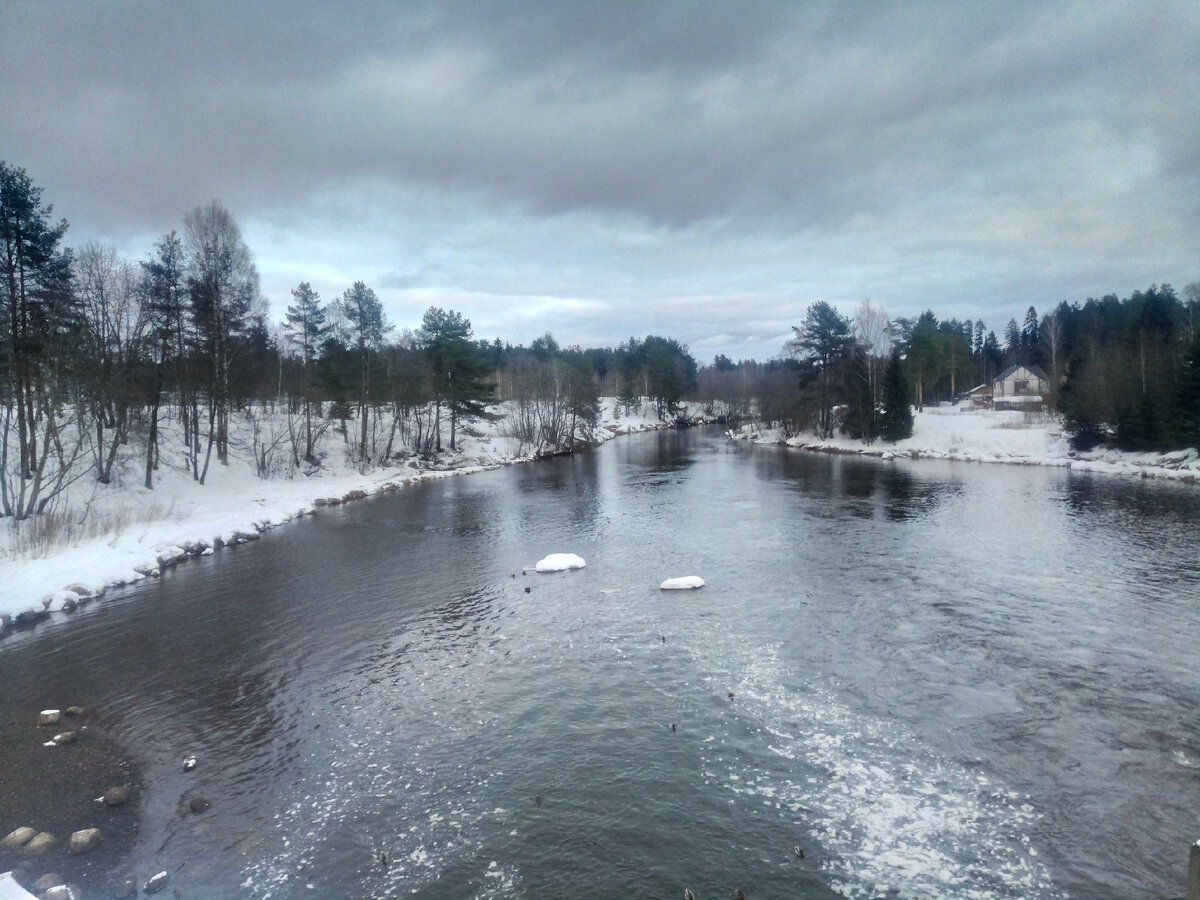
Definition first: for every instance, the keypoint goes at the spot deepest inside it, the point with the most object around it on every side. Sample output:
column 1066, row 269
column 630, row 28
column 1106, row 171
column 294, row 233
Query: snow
column 10, row 890
column 685, row 583
column 560, row 562
column 999, row 436
column 131, row 533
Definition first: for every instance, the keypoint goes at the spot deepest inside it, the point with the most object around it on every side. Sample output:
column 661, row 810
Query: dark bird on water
column 527, row 589
column 664, row 637
column 688, row 895
column 383, row 857
column 739, row 894
column 537, row 800
column 672, row 726
column 730, row 695
column 799, row 852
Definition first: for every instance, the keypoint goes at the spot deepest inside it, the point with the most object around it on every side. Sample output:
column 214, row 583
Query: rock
column 115, row 796
column 85, row 840
column 41, row 842
column 66, row 737
column 18, row 838
column 30, row 617
column 198, row 804
column 70, row 605
column 156, row 883
column 49, row 717
column 560, row 562
column 125, row 888
column 46, row 882
column 75, row 710
column 62, row 892
column 189, row 763
column 686, row 583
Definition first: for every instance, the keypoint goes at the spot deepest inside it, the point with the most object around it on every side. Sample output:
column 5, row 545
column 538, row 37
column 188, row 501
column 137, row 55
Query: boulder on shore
column 41, row 843
column 18, row 838
column 115, row 796
column 85, row 840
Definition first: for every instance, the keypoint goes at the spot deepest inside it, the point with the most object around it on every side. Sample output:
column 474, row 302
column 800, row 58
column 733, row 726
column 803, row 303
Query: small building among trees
column 1020, row 387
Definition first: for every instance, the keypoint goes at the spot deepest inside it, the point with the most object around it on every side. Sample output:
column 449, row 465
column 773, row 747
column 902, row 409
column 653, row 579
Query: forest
column 99, row 352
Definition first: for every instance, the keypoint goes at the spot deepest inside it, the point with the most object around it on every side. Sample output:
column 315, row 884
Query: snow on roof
column 1036, row 371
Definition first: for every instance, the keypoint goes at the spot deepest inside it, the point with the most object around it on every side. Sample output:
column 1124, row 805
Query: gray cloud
column 972, row 158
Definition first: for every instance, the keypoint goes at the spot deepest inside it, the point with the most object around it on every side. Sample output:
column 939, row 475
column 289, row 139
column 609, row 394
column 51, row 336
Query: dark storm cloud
column 906, row 151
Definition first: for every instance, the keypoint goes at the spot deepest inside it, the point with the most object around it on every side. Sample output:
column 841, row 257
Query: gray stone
column 75, row 710
column 85, row 840
column 41, row 843
column 49, row 717
column 63, row 892
column 66, row 737
column 116, row 796
column 156, row 883
column 46, row 882
column 18, row 838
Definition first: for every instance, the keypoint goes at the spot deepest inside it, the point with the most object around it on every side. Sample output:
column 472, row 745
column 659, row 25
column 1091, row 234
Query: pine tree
column 896, row 421
column 306, row 329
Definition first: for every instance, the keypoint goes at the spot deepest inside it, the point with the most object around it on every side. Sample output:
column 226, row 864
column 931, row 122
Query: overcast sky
column 698, row 170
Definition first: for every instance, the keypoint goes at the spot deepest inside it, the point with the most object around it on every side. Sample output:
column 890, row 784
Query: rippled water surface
column 948, row 681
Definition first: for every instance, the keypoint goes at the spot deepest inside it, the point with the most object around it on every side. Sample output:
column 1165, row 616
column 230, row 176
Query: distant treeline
column 96, row 350
column 1121, row 372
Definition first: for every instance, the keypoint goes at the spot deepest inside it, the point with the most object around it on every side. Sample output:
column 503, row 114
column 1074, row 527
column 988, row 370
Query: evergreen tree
column 458, row 370
column 364, row 314
column 822, row 344
column 306, row 329
column 896, row 421
column 165, row 301
column 40, row 322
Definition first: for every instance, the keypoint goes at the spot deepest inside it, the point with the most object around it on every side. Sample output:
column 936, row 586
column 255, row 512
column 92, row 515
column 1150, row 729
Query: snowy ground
column 130, row 532
column 948, row 432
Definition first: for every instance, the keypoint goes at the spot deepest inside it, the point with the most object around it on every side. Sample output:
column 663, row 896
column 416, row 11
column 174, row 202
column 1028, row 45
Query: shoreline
column 181, row 519
column 953, row 435
column 235, row 507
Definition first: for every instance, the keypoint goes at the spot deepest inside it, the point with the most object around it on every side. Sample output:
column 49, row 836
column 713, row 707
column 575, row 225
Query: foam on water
column 888, row 819
column 385, row 786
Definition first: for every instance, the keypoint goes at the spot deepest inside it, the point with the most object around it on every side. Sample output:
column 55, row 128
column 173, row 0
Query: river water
column 948, row 681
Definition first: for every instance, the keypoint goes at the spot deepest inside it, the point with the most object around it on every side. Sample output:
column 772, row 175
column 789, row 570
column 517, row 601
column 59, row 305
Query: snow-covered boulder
column 686, row 583
column 560, row 562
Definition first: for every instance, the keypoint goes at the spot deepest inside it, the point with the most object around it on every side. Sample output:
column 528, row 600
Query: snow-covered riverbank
column 130, row 533
column 948, row 432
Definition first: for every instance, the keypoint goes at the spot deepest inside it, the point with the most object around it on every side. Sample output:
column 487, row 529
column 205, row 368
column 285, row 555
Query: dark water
column 949, row 681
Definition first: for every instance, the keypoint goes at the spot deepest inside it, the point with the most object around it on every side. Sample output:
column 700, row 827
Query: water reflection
column 928, row 714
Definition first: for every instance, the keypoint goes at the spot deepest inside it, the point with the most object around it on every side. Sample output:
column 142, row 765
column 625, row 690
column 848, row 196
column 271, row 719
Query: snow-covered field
column 948, row 432
column 130, row 532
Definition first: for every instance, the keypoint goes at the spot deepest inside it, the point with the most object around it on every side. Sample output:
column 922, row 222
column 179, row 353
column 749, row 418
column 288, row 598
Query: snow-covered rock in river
column 560, row 562
column 686, row 583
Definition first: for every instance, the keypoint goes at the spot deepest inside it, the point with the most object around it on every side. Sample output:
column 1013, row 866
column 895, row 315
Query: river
column 937, row 680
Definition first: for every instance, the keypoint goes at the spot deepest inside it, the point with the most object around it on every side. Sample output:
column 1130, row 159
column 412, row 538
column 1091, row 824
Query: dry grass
column 41, row 535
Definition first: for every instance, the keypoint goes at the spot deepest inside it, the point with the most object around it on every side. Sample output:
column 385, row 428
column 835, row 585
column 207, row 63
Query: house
column 1020, row 387
column 978, row 397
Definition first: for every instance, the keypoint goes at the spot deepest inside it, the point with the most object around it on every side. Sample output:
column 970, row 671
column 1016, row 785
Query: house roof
column 1031, row 369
